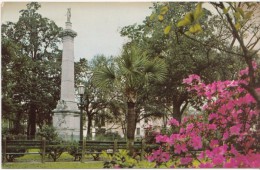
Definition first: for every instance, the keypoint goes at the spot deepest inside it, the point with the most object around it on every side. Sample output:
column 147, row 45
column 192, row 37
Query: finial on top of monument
column 68, row 14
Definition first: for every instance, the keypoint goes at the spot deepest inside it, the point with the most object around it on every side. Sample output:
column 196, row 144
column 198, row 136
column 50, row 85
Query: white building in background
column 156, row 123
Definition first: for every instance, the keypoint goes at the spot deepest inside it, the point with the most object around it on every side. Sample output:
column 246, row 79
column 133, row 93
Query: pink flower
column 186, row 160
column 206, row 165
column 212, row 116
column 231, row 164
column 173, row 122
column 191, row 78
column 209, row 154
column 173, row 138
column 189, row 127
column 196, row 142
column 225, row 135
column 202, row 155
column 159, row 156
column 182, row 130
column 161, row 138
column 243, row 72
column 234, row 130
column 212, row 127
column 180, row 148
column 221, row 150
column 218, row 159
column 185, row 119
column 214, row 143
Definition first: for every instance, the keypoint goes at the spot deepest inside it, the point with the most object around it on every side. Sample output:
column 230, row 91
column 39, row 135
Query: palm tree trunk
column 131, row 125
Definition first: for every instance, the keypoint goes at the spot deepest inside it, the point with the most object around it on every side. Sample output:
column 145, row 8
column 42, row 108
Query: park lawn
column 54, row 165
column 65, row 157
column 64, row 162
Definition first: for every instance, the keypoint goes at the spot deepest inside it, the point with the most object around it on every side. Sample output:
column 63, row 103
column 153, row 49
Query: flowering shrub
column 221, row 136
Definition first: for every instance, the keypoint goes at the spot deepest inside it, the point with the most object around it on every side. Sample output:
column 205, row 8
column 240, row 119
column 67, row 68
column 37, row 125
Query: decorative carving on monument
column 61, row 122
column 68, row 32
column 61, row 105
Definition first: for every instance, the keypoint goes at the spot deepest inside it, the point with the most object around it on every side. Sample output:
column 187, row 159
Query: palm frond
column 155, row 69
column 104, row 77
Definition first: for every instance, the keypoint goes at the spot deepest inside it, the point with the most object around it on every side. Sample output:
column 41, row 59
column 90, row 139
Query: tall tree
column 182, row 55
column 35, row 66
column 241, row 20
column 130, row 74
column 96, row 101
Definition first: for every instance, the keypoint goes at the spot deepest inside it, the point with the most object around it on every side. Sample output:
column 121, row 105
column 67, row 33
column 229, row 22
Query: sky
column 97, row 24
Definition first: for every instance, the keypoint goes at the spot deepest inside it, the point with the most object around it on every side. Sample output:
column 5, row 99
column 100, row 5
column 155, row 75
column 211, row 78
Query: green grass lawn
column 66, row 161
column 54, row 165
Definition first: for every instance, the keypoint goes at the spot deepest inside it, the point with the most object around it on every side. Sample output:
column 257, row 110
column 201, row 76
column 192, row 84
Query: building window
column 138, row 131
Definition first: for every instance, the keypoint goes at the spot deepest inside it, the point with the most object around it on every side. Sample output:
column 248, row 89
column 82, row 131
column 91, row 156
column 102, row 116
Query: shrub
column 109, row 136
column 222, row 133
column 56, row 145
column 120, row 159
column 73, row 150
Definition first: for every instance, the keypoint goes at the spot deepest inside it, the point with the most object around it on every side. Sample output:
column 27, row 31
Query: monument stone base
column 67, row 122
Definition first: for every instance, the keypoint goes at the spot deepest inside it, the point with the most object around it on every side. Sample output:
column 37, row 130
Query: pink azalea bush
column 222, row 133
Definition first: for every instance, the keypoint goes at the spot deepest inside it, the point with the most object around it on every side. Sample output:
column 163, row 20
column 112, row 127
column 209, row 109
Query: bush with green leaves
column 120, row 159
column 109, row 136
column 73, row 150
column 48, row 132
column 56, row 146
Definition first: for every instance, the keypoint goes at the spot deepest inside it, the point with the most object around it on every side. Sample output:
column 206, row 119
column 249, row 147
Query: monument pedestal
column 66, row 122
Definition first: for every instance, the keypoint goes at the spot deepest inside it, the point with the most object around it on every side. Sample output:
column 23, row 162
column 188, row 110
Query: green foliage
column 195, row 28
column 186, row 21
column 164, row 10
column 56, row 145
column 48, row 132
column 129, row 76
column 192, row 19
column 167, row 29
column 74, row 149
column 225, row 10
column 183, row 54
column 160, row 17
column 145, row 164
column 31, row 55
column 120, row 159
column 55, row 151
column 109, row 136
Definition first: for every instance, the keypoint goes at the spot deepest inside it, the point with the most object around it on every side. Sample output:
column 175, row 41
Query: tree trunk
column 18, row 129
column 131, row 125
column 89, row 135
column 258, row 122
column 31, row 128
column 177, row 113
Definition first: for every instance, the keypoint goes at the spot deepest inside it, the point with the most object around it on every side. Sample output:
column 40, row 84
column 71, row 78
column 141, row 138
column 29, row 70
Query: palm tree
column 130, row 74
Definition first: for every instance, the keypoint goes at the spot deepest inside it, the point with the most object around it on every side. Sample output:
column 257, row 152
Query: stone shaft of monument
column 67, row 75
column 66, row 117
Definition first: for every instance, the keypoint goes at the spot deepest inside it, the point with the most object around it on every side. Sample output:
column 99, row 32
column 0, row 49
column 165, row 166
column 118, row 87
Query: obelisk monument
column 66, row 117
